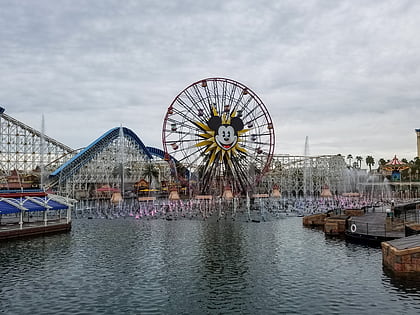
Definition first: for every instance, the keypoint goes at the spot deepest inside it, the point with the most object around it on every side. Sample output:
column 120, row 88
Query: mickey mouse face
column 226, row 137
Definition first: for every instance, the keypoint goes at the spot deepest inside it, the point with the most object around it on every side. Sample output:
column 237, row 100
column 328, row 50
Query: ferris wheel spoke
column 180, row 128
column 245, row 105
column 189, row 108
column 209, row 98
column 217, row 96
column 250, row 113
column 185, row 114
column 236, row 103
column 186, row 156
column 243, row 176
column 194, row 101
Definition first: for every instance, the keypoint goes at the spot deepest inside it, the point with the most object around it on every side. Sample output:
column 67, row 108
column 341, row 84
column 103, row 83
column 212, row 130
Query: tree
column 416, row 167
column 150, row 171
column 370, row 161
column 117, row 170
column 382, row 161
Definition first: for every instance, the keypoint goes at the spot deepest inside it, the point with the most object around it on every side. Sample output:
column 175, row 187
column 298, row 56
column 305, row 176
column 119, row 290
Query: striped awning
column 395, row 164
column 14, row 205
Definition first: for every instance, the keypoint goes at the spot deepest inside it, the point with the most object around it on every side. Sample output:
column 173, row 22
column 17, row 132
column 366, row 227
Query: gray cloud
column 344, row 73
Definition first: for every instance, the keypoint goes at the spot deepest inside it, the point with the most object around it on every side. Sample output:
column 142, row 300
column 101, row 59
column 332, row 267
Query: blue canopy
column 6, row 208
column 55, row 205
column 13, row 205
column 33, row 206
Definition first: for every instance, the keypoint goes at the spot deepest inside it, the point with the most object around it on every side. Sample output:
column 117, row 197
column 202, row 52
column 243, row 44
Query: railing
column 395, row 228
column 367, row 228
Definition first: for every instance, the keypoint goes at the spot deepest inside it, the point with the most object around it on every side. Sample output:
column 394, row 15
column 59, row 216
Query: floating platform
column 362, row 227
column 321, row 219
column 315, row 220
column 34, row 229
column 374, row 228
column 336, row 225
column 32, row 213
column 412, row 229
column 402, row 256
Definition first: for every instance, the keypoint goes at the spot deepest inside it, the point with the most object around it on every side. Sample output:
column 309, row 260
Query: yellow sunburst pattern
column 222, row 137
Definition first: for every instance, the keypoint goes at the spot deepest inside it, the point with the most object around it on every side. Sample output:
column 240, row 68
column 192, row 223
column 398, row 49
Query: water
column 128, row 266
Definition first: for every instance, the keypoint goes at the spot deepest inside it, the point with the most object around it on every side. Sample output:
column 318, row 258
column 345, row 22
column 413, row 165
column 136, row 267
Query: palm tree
column 370, row 161
column 359, row 160
column 382, row 161
column 416, row 167
column 150, row 171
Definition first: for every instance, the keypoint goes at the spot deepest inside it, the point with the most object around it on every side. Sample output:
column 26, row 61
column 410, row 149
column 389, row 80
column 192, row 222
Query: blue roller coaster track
column 87, row 154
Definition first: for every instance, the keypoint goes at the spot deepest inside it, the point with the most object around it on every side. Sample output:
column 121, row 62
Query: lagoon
column 128, row 266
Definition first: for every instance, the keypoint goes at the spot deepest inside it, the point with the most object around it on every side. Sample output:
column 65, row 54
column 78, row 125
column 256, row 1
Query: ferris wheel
column 218, row 132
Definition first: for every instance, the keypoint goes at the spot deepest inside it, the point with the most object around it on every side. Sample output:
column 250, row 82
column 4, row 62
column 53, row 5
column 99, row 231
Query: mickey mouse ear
column 237, row 123
column 214, row 122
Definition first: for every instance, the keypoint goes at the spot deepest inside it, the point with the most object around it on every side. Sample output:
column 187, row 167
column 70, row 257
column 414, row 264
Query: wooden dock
column 38, row 228
column 402, row 255
column 375, row 227
column 314, row 220
column 336, row 225
column 370, row 227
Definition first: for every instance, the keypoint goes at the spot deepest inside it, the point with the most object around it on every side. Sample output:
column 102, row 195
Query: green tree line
column 411, row 173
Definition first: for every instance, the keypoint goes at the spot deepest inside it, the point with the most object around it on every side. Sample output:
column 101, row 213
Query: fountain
column 377, row 187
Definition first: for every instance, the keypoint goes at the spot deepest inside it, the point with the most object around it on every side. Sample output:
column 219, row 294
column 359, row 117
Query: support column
column 248, row 206
column 21, row 219
column 68, row 216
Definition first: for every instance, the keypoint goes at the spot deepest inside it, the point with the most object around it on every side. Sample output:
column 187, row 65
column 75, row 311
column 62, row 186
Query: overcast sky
column 344, row 73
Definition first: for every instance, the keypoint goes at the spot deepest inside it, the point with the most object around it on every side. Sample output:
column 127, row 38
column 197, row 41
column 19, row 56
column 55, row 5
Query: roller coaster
column 26, row 153
column 120, row 160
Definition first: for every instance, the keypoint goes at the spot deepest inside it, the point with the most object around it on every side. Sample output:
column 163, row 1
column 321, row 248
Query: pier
column 402, row 255
column 9, row 231
column 32, row 213
column 374, row 228
column 369, row 225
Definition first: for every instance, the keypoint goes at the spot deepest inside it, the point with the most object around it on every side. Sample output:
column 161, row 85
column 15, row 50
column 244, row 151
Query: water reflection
column 223, row 265
column 407, row 283
column 195, row 267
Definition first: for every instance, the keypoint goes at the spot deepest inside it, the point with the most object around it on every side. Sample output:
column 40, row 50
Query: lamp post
column 409, row 175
